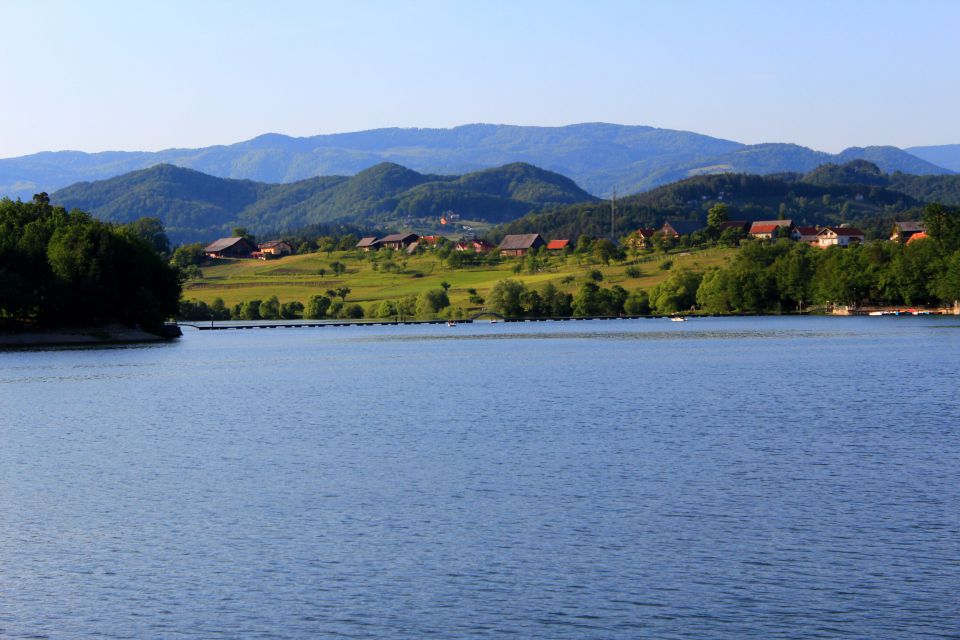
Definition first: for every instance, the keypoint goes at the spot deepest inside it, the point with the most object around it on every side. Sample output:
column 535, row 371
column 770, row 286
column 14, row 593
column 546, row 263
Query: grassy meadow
column 298, row 277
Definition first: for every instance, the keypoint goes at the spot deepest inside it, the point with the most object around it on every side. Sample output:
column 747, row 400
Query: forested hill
column 598, row 156
column 194, row 206
column 857, row 192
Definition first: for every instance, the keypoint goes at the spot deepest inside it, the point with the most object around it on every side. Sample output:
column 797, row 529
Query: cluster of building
column 521, row 244
column 243, row 248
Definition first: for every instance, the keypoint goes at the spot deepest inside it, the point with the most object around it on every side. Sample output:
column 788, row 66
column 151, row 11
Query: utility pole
column 613, row 210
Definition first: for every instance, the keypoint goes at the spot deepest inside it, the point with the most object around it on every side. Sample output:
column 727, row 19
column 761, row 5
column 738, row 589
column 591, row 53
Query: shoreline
column 80, row 336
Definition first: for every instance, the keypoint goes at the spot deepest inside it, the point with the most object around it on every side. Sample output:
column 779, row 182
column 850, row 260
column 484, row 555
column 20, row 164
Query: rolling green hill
column 857, row 192
column 195, row 206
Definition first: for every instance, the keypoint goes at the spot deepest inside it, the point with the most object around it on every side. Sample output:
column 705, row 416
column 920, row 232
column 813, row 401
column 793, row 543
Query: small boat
column 677, row 319
column 877, row 313
column 451, row 323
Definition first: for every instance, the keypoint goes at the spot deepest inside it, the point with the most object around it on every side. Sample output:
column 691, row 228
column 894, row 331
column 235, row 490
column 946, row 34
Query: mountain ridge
column 597, row 156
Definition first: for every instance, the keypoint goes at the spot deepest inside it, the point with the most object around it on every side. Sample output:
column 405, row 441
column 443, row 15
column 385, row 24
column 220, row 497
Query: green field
column 297, row 277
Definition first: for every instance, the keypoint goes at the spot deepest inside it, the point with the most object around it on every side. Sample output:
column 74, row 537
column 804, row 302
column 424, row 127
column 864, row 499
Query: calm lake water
column 740, row 478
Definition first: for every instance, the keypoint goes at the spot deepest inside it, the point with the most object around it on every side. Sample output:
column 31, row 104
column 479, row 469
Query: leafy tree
column 151, row 231
column 317, row 306
column 327, row 244
column 188, row 255
column 716, row 216
column 338, row 268
column 432, row 301
column 677, row 293
column 270, row 308
column 947, row 285
column 943, row 225
column 637, row 303
column 251, row 310
column 291, row 310
column 588, row 301
column 352, row 311
column 243, row 232
column 603, row 250
column 342, row 293
column 505, row 298
column 218, row 310
column 347, row 242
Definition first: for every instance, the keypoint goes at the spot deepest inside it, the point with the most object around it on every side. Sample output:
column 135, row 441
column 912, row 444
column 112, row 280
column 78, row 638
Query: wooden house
column 230, row 248
column 679, row 228
column 520, row 244
column 903, row 231
column 398, row 241
column 370, row 243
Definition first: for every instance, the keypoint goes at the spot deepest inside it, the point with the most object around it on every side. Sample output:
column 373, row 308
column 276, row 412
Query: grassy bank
column 297, row 278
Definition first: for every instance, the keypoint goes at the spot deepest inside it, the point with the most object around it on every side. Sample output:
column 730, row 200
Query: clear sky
column 139, row 75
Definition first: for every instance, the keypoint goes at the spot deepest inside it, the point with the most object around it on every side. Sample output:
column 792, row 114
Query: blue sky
column 151, row 75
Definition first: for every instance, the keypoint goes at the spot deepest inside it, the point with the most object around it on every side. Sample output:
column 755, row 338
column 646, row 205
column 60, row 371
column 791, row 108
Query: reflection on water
column 749, row 478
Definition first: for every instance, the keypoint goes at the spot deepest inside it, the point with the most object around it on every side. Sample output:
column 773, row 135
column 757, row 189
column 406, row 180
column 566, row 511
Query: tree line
column 60, row 268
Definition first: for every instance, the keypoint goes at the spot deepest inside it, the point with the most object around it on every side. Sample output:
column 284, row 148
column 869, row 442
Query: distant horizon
column 448, row 128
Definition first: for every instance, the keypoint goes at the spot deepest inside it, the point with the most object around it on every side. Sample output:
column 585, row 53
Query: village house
column 475, row 245
column 804, row 234
column 766, row 228
column 904, row 231
column 519, row 245
column 680, row 228
column 838, row 236
column 638, row 239
column 558, row 245
column 230, row 248
column 272, row 249
column 397, row 241
column 370, row 243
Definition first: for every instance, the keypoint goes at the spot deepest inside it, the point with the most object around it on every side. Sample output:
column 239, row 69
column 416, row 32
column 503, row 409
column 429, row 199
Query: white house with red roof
column 838, row 237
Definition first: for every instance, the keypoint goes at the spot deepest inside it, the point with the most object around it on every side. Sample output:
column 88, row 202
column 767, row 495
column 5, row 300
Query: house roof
column 763, row 228
column 400, row 237
column 920, row 235
column 520, row 241
column 273, row 243
column 807, row 231
column 780, row 223
column 225, row 243
column 911, row 226
column 767, row 226
column 646, row 233
column 684, row 227
column 369, row 241
column 558, row 244
column 842, row 231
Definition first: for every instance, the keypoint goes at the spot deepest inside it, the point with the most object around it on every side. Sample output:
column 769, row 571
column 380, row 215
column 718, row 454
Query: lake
column 735, row 477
